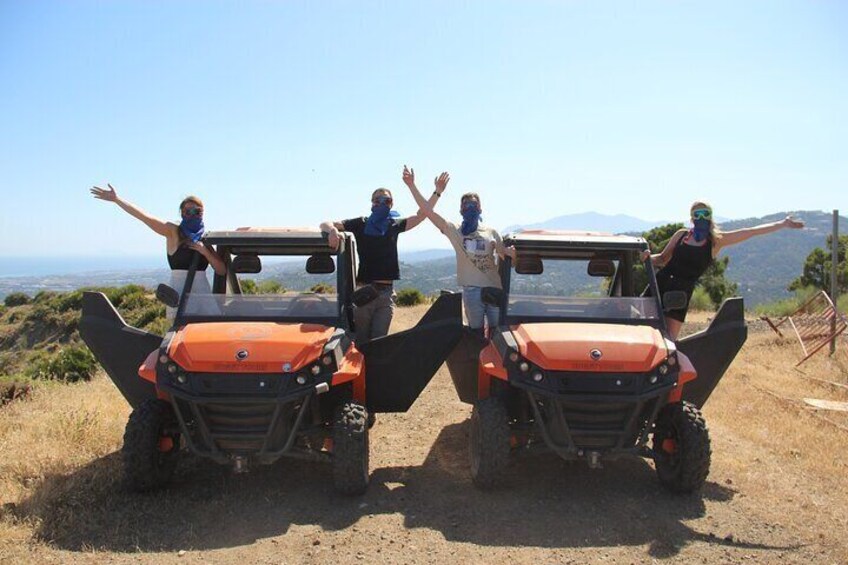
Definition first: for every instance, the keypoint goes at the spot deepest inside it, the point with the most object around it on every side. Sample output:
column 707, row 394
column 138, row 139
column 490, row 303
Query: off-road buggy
column 247, row 379
column 581, row 362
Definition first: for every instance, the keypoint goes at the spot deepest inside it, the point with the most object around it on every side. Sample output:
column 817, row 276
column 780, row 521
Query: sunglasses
column 382, row 200
column 702, row 214
column 193, row 211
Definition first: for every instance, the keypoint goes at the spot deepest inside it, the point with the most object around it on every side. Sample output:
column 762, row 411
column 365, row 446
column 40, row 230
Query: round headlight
column 301, row 380
column 163, row 359
column 513, row 357
column 182, row 379
column 172, row 368
column 672, row 361
column 327, row 359
column 537, row 376
column 524, row 367
column 315, row 369
column 663, row 369
column 653, row 379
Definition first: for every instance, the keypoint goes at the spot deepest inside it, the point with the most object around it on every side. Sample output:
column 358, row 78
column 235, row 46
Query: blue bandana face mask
column 192, row 228
column 702, row 229
column 470, row 218
column 378, row 221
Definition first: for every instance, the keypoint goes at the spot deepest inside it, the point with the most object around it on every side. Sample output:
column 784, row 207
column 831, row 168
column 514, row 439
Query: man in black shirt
column 376, row 243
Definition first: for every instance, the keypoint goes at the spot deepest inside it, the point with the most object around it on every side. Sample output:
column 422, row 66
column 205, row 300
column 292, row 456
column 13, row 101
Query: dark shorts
column 669, row 283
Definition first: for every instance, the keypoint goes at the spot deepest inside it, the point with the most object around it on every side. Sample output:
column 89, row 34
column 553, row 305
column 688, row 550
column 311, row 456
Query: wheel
column 151, row 446
column 489, row 442
column 350, row 449
column 681, row 447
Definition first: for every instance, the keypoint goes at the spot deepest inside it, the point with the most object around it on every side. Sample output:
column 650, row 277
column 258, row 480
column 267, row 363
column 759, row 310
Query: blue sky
column 287, row 113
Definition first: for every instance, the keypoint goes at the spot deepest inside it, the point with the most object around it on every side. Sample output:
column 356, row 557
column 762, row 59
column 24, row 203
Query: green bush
column 787, row 305
column 701, row 300
column 409, row 297
column 842, row 303
column 270, row 286
column 71, row 364
column 16, row 299
column 322, row 288
column 248, row 286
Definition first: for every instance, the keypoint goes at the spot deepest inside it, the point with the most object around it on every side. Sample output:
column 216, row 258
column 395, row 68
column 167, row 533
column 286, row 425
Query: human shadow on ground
column 546, row 502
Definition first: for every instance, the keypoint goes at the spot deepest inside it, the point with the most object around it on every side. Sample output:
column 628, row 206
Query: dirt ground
column 777, row 490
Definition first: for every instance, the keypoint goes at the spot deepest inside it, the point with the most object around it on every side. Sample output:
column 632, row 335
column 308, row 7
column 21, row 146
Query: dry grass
column 777, row 481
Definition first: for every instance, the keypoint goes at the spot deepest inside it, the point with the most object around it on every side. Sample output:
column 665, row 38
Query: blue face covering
column 378, row 221
column 702, row 229
column 192, row 228
column 470, row 218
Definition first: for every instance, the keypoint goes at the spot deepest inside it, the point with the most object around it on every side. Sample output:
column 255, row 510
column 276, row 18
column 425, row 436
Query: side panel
column 119, row 348
column 464, row 364
column 712, row 350
column 399, row 366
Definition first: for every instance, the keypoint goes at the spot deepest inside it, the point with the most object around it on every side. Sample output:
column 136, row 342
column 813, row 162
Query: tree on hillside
column 817, row 267
column 713, row 281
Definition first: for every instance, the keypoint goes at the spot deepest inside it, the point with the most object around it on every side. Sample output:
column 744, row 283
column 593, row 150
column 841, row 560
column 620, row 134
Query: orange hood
column 568, row 346
column 212, row 347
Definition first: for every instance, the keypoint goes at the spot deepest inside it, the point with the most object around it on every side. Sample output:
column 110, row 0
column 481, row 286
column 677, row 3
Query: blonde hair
column 715, row 232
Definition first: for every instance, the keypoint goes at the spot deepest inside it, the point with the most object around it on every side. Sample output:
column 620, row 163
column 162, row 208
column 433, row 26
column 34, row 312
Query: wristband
column 437, row 194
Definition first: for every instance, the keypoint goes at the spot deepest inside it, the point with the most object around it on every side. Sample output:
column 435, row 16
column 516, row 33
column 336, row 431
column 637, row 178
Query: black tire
column 489, row 442
column 686, row 468
column 350, row 449
column 146, row 466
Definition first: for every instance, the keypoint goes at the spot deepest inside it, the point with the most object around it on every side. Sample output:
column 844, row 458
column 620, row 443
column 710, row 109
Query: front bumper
column 258, row 417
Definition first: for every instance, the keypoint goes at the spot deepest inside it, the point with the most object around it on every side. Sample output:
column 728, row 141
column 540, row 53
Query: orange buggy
column 246, row 379
column 592, row 374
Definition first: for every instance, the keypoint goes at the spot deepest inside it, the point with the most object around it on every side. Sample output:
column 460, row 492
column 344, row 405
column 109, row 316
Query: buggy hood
column 247, row 347
column 568, row 346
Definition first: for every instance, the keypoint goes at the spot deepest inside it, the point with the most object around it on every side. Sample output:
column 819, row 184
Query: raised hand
column 408, row 177
column 103, row 194
column 441, row 182
column 790, row 222
column 333, row 239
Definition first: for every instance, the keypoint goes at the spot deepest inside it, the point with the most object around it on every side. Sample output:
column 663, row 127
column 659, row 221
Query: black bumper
column 228, row 420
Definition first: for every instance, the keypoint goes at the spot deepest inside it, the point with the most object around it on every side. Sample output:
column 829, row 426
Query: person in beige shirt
column 478, row 249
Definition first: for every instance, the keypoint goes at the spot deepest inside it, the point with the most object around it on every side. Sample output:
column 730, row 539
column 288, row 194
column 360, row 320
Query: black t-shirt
column 378, row 256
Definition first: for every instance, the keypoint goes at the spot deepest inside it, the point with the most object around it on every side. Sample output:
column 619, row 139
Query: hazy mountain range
column 763, row 266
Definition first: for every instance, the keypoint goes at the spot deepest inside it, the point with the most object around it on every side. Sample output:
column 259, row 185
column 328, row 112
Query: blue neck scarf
column 470, row 219
column 702, row 230
column 192, row 228
column 378, row 221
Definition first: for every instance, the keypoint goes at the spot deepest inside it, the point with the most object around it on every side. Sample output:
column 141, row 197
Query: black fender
column 118, row 347
column 399, row 366
column 712, row 350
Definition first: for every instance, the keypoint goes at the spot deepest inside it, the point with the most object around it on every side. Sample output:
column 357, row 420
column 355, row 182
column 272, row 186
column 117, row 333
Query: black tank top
column 182, row 258
column 688, row 262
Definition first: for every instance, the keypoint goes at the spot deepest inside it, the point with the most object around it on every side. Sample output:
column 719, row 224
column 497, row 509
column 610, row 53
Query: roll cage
column 284, row 242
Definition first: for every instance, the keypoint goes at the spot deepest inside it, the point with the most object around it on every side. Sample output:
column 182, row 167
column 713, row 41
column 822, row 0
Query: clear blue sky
column 287, row 113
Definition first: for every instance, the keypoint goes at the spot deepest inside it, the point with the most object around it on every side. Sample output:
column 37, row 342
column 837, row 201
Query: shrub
column 270, row 287
column 409, row 297
column 248, row 286
column 842, row 303
column 16, row 299
column 786, row 306
column 71, row 364
column 322, row 288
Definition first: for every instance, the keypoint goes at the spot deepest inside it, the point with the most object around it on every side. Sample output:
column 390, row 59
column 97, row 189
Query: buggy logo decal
column 241, row 354
column 596, row 354
column 287, row 367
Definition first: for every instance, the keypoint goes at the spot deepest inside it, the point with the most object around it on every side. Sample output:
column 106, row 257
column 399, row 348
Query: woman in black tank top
column 690, row 252
column 183, row 240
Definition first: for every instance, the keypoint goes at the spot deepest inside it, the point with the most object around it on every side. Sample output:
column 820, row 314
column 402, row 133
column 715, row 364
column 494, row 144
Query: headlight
column 663, row 369
column 327, row 360
column 513, row 356
column 315, row 370
column 524, row 366
column 672, row 360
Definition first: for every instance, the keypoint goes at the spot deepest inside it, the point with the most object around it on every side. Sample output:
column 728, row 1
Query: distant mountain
column 591, row 221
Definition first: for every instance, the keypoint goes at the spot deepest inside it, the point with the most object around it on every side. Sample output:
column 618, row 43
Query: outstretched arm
column 660, row 259
column 738, row 236
column 425, row 207
column 157, row 225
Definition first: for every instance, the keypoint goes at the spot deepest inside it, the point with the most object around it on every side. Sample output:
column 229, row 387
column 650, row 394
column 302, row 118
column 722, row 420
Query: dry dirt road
column 777, row 491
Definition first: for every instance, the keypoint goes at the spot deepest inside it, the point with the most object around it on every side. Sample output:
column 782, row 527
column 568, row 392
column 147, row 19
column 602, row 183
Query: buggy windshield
column 600, row 287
